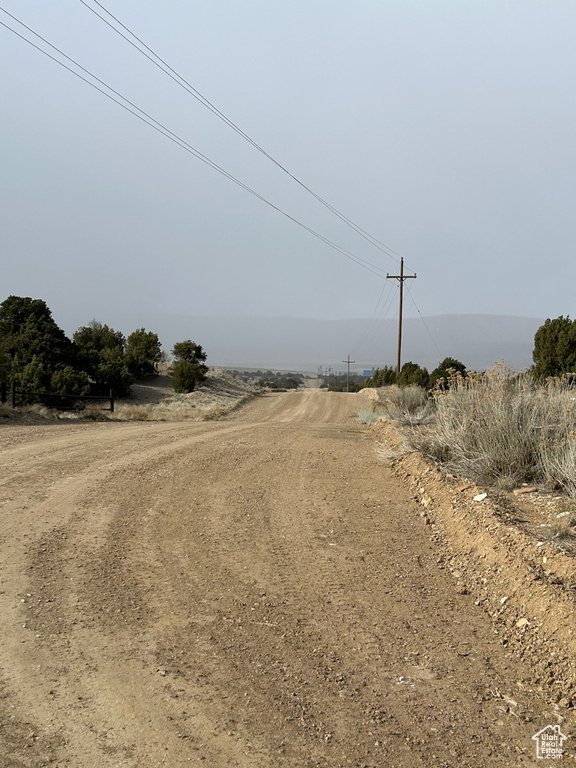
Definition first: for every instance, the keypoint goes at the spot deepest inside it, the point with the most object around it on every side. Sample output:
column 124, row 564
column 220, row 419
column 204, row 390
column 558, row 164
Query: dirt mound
column 155, row 400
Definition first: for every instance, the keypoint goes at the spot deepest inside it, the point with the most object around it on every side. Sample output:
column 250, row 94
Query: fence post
column 3, row 392
column 13, row 394
column 111, row 401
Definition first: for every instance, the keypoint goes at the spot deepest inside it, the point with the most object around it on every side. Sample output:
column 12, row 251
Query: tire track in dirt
column 255, row 592
column 52, row 527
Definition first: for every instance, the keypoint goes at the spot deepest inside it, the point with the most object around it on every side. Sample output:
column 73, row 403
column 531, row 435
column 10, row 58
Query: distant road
column 313, row 383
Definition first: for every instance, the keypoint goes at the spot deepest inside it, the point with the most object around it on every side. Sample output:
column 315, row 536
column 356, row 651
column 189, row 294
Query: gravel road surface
column 258, row 591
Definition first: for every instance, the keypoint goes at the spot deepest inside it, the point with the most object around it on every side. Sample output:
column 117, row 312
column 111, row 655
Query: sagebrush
column 503, row 426
column 409, row 405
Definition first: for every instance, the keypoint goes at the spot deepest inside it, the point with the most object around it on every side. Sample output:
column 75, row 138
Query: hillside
column 304, row 344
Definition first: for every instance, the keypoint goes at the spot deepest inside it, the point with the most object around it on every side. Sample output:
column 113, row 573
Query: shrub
column 408, row 405
column 280, row 382
column 499, row 426
column 143, row 353
column 185, row 376
column 189, row 369
column 413, row 374
column 447, row 368
column 555, row 347
column 382, row 377
column 367, row 416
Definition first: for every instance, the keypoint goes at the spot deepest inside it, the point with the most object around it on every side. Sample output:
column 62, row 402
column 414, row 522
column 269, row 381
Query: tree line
column 554, row 355
column 414, row 374
column 37, row 356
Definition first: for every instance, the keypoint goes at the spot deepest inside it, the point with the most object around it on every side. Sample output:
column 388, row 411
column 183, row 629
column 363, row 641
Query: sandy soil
column 258, row 591
column 154, row 398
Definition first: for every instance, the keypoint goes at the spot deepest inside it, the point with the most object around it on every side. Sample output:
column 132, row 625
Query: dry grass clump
column 218, row 395
column 369, row 415
column 32, row 413
column 562, row 532
column 406, row 405
column 154, row 400
column 502, row 428
column 409, row 405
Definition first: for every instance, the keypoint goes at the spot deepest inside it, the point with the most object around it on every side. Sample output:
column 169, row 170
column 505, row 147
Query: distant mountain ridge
column 479, row 341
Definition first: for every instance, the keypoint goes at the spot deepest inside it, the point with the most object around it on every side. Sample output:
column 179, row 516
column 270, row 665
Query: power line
column 424, row 321
column 159, row 62
column 378, row 332
column 372, row 323
column 369, row 326
column 145, row 117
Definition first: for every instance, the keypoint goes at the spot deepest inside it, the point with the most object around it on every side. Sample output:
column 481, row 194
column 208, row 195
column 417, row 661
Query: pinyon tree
column 189, row 368
column 555, row 348
column 35, row 353
column 102, row 355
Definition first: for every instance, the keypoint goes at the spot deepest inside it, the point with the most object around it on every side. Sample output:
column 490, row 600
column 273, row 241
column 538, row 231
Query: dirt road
column 255, row 592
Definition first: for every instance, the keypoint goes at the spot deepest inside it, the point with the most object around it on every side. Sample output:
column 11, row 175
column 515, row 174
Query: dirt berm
column 493, row 550
column 260, row 591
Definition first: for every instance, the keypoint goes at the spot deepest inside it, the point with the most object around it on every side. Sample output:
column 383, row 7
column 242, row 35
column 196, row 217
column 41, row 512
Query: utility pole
column 401, row 277
column 348, row 361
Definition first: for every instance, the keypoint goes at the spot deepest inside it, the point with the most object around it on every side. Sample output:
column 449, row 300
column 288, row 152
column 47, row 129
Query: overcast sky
column 444, row 129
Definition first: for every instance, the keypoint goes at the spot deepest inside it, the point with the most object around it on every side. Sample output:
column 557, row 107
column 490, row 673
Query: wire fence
column 54, row 397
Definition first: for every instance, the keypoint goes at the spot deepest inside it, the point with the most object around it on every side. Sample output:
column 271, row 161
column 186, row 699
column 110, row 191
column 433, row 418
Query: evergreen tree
column 143, row 353
column 555, row 348
column 189, row 368
column 412, row 373
column 382, row 377
column 34, row 351
column 448, row 366
column 102, row 355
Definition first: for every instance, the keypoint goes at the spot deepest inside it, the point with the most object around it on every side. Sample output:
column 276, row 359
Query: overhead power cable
column 425, row 323
column 378, row 333
column 145, row 117
column 373, row 322
column 159, row 62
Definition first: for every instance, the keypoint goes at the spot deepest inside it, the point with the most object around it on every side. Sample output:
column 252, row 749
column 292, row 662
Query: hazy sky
column 445, row 129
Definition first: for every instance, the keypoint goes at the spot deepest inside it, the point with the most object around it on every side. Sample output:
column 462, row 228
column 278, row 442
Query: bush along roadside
column 504, row 429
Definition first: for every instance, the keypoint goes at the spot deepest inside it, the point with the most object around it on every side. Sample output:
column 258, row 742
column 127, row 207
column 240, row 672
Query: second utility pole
column 401, row 277
column 348, row 361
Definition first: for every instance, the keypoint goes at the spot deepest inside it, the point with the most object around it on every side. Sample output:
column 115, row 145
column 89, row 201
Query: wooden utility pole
column 401, row 277
column 348, row 361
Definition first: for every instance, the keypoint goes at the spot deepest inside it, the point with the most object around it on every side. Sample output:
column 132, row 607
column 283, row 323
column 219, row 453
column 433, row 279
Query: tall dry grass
column 369, row 415
column 409, row 405
column 502, row 427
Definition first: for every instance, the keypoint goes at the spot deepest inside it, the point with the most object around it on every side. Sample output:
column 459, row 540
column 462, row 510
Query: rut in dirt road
column 254, row 592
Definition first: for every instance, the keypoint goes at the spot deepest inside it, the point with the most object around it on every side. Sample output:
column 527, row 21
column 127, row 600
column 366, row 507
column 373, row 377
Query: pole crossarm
column 401, row 277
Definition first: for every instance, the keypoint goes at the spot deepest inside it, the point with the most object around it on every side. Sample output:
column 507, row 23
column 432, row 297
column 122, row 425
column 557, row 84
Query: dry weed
column 369, row 415
column 562, row 532
column 501, row 427
column 219, row 395
column 409, row 406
